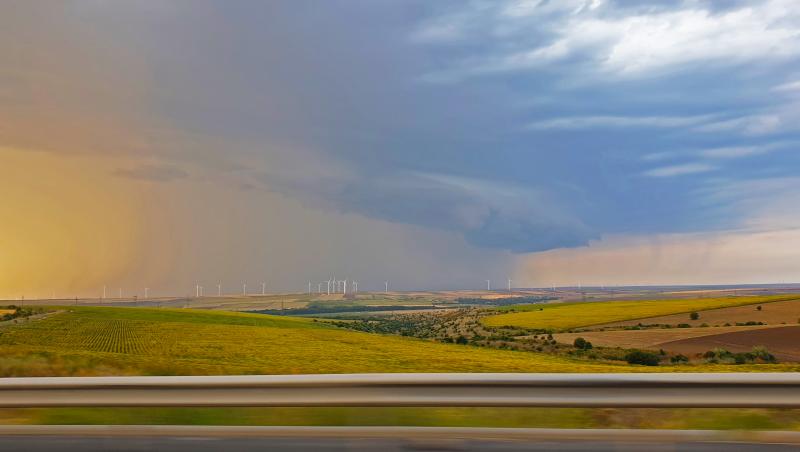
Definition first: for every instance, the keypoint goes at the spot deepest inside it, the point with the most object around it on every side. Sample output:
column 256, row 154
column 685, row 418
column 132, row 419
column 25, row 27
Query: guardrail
column 511, row 390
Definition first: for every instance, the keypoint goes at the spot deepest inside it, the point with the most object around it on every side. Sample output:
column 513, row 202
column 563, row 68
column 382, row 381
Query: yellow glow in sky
column 66, row 224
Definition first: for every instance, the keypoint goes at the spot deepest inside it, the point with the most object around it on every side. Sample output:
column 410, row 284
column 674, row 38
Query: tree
column 694, row 316
column 642, row 357
column 677, row 359
column 582, row 344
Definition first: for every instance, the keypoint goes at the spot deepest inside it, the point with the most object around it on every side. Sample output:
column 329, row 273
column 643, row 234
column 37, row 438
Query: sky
column 165, row 144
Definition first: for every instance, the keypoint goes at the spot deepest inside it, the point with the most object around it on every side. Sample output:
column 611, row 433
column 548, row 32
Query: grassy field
column 139, row 341
column 573, row 315
column 118, row 341
column 723, row 419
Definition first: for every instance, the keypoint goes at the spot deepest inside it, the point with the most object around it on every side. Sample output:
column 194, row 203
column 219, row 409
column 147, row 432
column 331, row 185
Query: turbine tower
column 263, row 288
column 219, row 289
column 488, row 285
column 386, row 283
column 145, row 292
column 509, row 285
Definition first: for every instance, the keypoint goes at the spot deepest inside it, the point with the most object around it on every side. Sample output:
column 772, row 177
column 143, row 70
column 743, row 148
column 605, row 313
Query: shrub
column 758, row 308
column 582, row 344
column 761, row 353
column 694, row 316
column 684, row 325
column 461, row 340
column 641, row 357
column 741, row 358
column 678, row 359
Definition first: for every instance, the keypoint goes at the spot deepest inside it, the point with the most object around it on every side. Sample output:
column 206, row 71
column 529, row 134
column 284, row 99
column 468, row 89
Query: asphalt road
column 194, row 444
column 74, row 438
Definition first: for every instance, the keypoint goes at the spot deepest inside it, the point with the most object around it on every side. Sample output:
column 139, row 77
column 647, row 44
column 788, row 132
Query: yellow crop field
column 91, row 341
column 574, row 315
column 82, row 341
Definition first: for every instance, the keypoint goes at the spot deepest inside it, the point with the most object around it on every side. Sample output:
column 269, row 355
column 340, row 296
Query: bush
column 694, row 316
column 684, row 325
column 762, row 354
column 741, row 358
column 582, row 344
column 678, row 359
column 461, row 340
column 642, row 357
column 758, row 308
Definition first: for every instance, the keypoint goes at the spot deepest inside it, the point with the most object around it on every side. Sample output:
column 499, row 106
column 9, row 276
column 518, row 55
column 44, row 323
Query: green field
column 721, row 419
column 139, row 341
column 573, row 315
column 106, row 341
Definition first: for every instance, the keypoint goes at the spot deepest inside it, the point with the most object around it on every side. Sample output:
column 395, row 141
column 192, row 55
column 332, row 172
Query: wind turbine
column 104, row 292
column 145, row 292
column 244, row 289
column 488, row 285
column 387, row 286
column 509, row 285
column 219, row 289
column 263, row 288
column 309, row 287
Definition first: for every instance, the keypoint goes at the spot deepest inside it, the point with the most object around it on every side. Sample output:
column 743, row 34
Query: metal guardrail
column 511, row 390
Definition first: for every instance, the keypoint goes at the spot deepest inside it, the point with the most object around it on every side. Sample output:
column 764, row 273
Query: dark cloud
column 331, row 105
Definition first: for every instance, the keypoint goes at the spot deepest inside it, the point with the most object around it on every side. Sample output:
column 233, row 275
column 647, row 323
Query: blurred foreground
column 174, row 438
